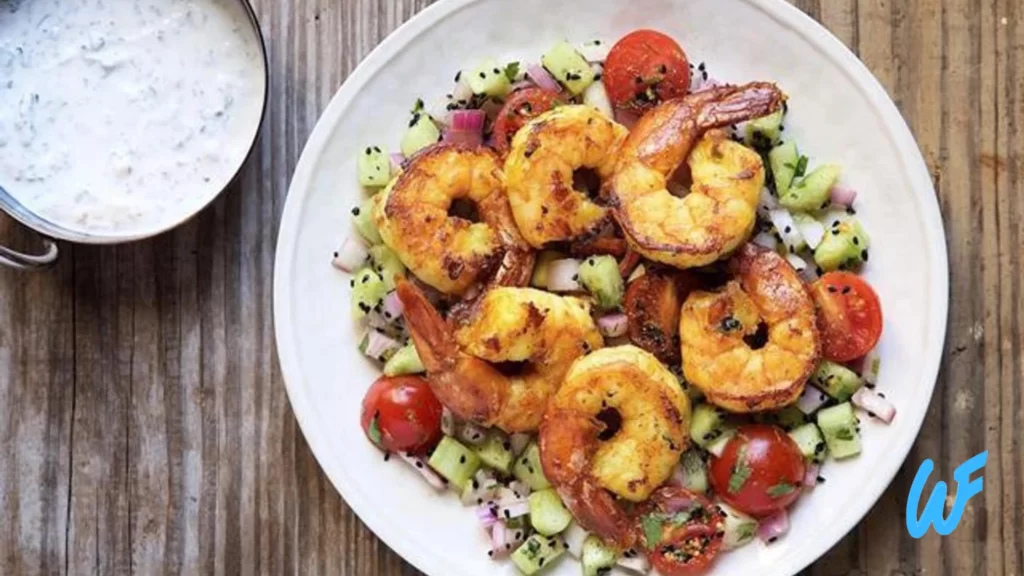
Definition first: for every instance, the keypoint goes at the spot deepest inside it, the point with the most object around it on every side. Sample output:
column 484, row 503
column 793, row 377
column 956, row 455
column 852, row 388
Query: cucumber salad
column 528, row 244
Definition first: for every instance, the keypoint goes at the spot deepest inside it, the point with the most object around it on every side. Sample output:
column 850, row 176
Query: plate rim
column 915, row 169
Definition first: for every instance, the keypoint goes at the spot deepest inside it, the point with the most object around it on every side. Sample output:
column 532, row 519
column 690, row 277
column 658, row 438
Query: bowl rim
column 817, row 36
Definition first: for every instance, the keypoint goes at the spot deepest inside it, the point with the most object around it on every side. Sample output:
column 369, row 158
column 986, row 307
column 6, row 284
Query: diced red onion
column 809, row 274
column 506, row 496
column 677, row 504
column 487, row 515
column 447, row 422
column 486, row 486
column 392, row 307
column 766, row 203
column 678, row 477
column 542, row 78
column 521, row 85
column 351, row 256
column 597, row 96
column 595, row 51
column 563, row 275
column 613, row 325
column 811, row 400
column 866, row 399
column 519, row 487
column 379, row 345
column 574, row 536
column 811, row 475
column 842, row 196
column 465, row 127
column 766, row 240
column 375, row 319
column 812, row 231
column 514, row 510
column 471, row 433
column 635, row 562
column 773, row 526
column 626, row 118
column 717, row 447
column 397, row 161
column 420, row 465
column 701, row 83
column 519, row 442
column 498, row 538
column 798, row 263
column 785, row 226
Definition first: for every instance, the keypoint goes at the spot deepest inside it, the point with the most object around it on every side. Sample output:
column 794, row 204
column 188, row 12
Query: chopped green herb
column 844, row 434
column 533, row 547
column 740, row 472
column 652, row 525
column 781, row 489
column 801, row 167
column 374, row 430
column 745, row 532
column 512, row 71
column 418, row 106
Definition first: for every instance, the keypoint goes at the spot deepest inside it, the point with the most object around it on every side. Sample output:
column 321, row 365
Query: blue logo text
column 932, row 514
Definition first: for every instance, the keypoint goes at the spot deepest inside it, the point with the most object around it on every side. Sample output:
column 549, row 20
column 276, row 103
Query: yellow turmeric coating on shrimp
column 617, row 426
column 719, row 212
column 448, row 252
column 540, row 166
column 533, row 335
column 718, row 329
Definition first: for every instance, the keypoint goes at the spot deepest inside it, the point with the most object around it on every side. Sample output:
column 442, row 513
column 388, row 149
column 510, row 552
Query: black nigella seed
column 662, row 69
column 832, row 289
column 355, row 211
column 575, row 277
column 821, row 479
column 507, row 513
column 376, row 149
column 639, row 80
column 458, row 75
column 541, row 561
column 462, row 459
column 882, row 395
column 788, row 229
column 419, row 464
column 352, row 283
column 490, row 553
column 366, row 279
column 856, row 241
column 846, row 289
column 704, row 75
column 387, row 456
column 482, row 75
column 835, row 232
column 496, row 71
column 773, row 539
column 597, row 77
column 864, row 255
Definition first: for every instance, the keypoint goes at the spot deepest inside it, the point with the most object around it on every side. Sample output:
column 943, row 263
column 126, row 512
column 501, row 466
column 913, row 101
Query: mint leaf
column 740, row 472
column 781, row 489
column 374, row 430
column 801, row 167
column 652, row 525
column 844, row 434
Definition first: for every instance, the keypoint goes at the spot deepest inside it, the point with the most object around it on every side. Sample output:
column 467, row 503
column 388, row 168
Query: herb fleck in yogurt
column 124, row 116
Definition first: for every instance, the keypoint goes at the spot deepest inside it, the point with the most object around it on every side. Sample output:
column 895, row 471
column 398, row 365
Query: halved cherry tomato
column 849, row 315
column 644, row 68
column 760, row 472
column 401, row 413
column 521, row 107
column 681, row 530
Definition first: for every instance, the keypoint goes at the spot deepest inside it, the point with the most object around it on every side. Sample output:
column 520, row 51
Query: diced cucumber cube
column 706, row 425
column 597, row 557
column 536, row 553
column 765, row 131
column 569, row 67
column 839, row 427
column 783, row 160
column 695, row 472
column 405, row 361
column 739, row 528
column 787, row 418
column 601, row 277
column 717, row 447
column 454, row 462
column 386, row 262
column 540, row 268
column 527, row 468
column 810, row 441
column 814, row 191
column 422, row 132
column 490, row 79
column 837, row 380
column 844, row 246
column 496, row 451
column 374, row 167
column 362, row 217
column 547, row 513
column 368, row 292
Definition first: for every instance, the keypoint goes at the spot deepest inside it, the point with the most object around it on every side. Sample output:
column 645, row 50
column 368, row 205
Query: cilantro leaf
column 652, row 525
column 373, row 431
column 844, row 434
column 740, row 472
column 745, row 532
column 512, row 71
column 801, row 167
column 781, row 489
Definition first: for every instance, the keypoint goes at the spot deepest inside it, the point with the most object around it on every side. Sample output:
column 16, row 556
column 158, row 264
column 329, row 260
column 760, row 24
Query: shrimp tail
column 737, row 104
column 471, row 388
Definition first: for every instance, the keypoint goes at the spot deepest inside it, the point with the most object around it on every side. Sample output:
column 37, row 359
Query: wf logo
column 932, row 514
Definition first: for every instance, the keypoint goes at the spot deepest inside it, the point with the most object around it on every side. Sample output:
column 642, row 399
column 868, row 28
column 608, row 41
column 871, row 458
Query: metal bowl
column 51, row 231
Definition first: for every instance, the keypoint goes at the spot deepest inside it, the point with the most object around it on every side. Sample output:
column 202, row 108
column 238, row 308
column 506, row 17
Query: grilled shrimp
column 539, row 170
column 719, row 212
column 500, row 367
column 451, row 253
column 752, row 345
column 616, row 426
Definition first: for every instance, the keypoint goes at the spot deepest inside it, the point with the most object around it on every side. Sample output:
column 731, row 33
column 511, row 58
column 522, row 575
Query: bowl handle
column 21, row 261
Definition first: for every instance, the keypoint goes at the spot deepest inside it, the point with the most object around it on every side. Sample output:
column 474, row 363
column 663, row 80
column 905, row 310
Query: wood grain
column 144, row 426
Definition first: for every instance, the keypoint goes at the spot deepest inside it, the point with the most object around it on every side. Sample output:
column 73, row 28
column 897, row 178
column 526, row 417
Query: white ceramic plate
column 838, row 112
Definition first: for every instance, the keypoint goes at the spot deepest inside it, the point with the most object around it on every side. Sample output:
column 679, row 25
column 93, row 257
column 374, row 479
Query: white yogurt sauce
column 119, row 117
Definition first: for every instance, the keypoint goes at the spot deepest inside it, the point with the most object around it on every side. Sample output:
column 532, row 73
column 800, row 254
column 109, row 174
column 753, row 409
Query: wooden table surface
column 144, row 426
